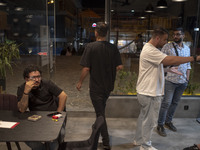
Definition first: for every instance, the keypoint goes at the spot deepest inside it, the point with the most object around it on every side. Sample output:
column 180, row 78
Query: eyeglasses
column 177, row 34
column 35, row 77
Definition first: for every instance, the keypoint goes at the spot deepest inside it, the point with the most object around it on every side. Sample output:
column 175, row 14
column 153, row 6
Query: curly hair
column 30, row 69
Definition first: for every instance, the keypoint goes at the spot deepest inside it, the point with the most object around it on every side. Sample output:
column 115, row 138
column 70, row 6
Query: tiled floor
column 122, row 132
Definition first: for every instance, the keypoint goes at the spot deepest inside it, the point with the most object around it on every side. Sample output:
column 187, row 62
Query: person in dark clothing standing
column 102, row 59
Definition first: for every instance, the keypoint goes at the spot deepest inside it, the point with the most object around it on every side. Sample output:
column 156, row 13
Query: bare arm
column 23, row 103
column 176, row 60
column 62, row 101
column 84, row 73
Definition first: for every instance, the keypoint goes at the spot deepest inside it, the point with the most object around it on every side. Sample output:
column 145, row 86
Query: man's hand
column 120, row 67
column 29, row 85
column 78, row 86
column 174, row 70
column 198, row 58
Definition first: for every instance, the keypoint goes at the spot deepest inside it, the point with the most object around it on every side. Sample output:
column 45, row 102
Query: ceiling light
column 162, row 4
column 28, row 20
column 16, row 34
column 2, row 4
column 29, row 16
column 15, row 20
column 196, row 29
column 179, row 0
column 19, row 9
column 149, row 9
column 142, row 17
column 29, row 34
column 51, row 2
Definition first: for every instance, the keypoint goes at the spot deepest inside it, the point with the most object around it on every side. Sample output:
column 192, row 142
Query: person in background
column 69, row 52
column 101, row 59
column 174, row 84
column 64, row 51
column 139, row 43
column 150, row 85
column 37, row 94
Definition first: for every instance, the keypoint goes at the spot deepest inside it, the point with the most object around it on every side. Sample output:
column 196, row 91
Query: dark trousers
column 99, row 103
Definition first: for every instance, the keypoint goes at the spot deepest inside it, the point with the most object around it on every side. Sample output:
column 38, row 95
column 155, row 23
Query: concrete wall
column 128, row 106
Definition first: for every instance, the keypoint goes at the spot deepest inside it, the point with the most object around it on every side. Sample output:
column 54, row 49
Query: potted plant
column 8, row 51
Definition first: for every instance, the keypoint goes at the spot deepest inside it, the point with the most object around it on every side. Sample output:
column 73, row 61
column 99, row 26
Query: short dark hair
column 159, row 32
column 30, row 69
column 101, row 29
column 179, row 29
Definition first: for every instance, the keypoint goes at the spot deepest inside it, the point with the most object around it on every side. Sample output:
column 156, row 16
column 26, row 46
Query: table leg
column 8, row 145
column 47, row 146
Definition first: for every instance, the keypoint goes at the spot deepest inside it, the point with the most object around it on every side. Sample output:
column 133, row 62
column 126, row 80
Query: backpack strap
column 175, row 49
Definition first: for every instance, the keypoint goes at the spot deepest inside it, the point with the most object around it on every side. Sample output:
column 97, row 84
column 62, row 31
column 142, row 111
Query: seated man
column 40, row 95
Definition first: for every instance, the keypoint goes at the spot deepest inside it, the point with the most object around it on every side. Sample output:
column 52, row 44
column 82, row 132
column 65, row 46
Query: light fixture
column 16, row 34
column 162, row 4
column 15, row 20
column 28, row 20
column 29, row 34
column 149, row 9
column 19, row 9
column 50, row 1
column 142, row 17
column 196, row 29
column 2, row 4
column 179, row 0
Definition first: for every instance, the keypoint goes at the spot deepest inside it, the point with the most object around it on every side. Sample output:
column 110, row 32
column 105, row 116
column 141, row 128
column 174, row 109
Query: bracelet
column 25, row 93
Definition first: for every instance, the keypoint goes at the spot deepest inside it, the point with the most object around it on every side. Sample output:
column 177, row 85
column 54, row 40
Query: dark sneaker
column 191, row 148
column 170, row 126
column 161, row 130
column 106, row 147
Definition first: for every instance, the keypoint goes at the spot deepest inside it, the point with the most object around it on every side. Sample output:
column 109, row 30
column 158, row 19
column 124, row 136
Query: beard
column 178, row 41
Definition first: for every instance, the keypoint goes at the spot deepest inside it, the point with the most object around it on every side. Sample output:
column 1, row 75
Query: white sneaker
column 152, row 148
column 135, row 143
column 149, row 148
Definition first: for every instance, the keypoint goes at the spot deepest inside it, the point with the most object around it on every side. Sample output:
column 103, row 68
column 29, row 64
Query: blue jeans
column 173, row 93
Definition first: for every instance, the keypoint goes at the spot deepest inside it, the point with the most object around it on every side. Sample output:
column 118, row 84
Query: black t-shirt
column 102, row 58
column 44, row 98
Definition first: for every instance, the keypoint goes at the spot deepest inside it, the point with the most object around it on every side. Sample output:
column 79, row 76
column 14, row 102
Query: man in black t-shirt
column 40, row 95
column 101, row 59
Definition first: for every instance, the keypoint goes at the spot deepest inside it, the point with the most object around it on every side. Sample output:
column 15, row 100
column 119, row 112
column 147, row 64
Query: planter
column 128, row 107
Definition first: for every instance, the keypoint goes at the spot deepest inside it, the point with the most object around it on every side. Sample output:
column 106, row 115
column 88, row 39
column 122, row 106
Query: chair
column 89, row 144
column 9, row 102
